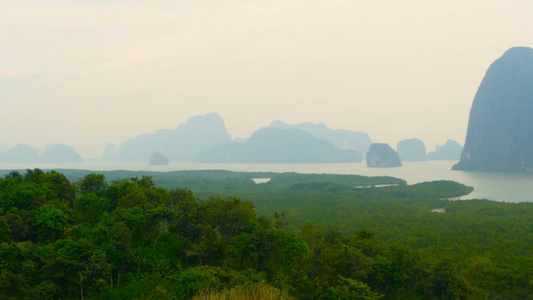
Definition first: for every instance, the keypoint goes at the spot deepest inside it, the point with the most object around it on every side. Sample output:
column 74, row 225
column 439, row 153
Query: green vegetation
column 217, row 235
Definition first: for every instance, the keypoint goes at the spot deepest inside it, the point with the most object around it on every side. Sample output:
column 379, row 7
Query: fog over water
column 497, row 186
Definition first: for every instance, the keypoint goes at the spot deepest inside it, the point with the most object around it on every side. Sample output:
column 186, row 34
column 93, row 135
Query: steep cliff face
column 500, row 129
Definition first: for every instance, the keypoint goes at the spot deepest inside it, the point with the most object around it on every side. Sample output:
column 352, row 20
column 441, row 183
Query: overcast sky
column 86, row 72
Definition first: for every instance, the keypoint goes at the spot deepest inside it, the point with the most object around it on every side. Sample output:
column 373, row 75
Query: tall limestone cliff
column 500, row 129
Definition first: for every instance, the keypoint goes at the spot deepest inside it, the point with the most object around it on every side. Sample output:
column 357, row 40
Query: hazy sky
column 89, row 72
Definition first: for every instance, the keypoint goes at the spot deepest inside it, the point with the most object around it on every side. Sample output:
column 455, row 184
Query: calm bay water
column 498, row 186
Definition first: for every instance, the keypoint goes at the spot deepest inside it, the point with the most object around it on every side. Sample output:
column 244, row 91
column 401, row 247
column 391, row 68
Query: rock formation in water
column 500, row 128
column 158, row 159
column 61, row 154
column 20, row 154
column 341, row 138
column 381, row 155
column 110, row 152
column 411, row 150
column 183, row 144
column 271, row 145
column 451, row 150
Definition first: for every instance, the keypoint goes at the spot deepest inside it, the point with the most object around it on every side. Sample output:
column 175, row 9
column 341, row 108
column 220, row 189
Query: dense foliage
column 322, row 239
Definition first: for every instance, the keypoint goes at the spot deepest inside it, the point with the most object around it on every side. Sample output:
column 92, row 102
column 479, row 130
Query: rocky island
column 381, row 155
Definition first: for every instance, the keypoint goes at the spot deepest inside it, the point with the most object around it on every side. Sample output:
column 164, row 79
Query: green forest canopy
column 179, row 235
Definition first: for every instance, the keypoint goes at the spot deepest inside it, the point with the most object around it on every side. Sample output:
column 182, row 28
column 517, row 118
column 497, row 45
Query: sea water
column 498, row 186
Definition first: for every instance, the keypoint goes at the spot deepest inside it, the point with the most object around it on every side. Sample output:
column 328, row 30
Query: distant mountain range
column 272, row 145
column 340, row 138
column 54, row 154
column 205, row 139
column 182, row 144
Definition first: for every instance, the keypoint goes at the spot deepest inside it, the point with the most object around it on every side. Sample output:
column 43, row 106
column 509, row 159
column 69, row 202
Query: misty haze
column 266, row 150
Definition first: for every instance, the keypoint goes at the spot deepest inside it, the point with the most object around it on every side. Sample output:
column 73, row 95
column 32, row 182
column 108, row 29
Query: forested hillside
column 217, row 235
